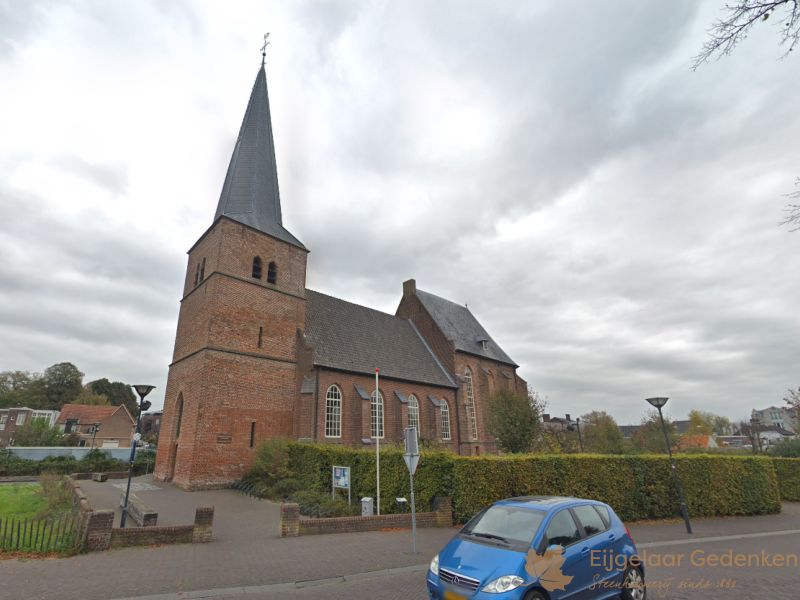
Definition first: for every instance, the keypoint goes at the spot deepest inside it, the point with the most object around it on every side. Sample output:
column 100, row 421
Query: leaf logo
column 547, row 567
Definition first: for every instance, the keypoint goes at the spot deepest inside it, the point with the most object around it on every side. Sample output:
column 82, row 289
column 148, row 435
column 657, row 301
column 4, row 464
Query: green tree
column 61, row 384
column 722, row 425
column 117, row 392
column 87, row 396
column 21, row 388
column 601, row 433
column 37, row 432
column 514, row 420
column 649, row 436
column 701, row 423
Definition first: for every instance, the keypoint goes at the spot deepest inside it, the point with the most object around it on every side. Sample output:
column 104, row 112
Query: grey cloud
column 113, row 177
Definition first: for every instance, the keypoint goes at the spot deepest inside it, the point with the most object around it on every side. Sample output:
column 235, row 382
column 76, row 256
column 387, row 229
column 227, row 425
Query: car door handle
column 612, row 537
column 585, row 550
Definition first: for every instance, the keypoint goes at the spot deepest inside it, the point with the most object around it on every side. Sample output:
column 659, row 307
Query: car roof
column 545, row 503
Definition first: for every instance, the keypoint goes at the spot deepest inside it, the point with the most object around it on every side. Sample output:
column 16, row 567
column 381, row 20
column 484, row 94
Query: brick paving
column 248, row 552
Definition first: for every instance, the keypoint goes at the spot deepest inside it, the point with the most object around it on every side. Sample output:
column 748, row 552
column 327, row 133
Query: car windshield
column 511, row 525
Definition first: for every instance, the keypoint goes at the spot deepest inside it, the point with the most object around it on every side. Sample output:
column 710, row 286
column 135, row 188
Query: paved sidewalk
column 235, row 515
column 247, row 552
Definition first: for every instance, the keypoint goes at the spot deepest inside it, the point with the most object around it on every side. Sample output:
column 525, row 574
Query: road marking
column 721, row 538
column 296, row 585
column 280, row 587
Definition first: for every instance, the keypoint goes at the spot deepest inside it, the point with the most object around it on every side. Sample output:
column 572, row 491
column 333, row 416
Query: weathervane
column 264, row 48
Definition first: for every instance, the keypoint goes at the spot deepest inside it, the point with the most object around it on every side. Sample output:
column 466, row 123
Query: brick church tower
column 233, row 377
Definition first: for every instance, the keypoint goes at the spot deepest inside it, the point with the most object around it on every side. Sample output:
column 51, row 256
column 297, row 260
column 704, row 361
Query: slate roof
column 355, row 338
column 250, row 193
column 461, row 327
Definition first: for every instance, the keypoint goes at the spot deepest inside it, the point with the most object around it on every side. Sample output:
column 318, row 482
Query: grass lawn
column 20, row 500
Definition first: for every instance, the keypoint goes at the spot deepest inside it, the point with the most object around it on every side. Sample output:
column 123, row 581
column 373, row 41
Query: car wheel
column 534, row 595
column 633, row 587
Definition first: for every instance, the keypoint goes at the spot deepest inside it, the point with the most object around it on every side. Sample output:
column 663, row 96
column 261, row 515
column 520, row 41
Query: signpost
column 378, row 433
column 411, row 457
column 340, row 478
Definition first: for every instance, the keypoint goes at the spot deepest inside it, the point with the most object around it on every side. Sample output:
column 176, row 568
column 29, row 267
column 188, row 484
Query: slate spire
column 250, row 193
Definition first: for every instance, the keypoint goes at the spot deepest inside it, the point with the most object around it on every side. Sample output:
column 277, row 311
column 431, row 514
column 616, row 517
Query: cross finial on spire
column 264, row 48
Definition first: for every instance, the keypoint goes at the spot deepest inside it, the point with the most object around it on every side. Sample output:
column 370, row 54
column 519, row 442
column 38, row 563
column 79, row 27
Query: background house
column 12, row 418
column 776, row 416
column 115, row 424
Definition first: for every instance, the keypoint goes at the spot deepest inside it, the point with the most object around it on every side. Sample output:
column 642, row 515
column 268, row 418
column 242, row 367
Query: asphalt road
column 679, row 570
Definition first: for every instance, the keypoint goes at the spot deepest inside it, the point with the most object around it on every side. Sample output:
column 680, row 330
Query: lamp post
column 577, row 426
column 95, row 429
column 142, row 390
column 659, row 404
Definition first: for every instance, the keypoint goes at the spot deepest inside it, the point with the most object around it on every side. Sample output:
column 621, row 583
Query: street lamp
column 659, row 403
column 571, row 427
column 95, row 429
column 142, row 390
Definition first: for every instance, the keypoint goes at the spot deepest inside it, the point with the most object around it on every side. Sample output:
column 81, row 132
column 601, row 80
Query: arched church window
column 376, row 414
column 333, row 412
column 413, row 412
column 197, row 275
column 445, row 421
column 203, row 270
column 179, row 415
column 272, row 273
column 257, row 267
column 470, row 403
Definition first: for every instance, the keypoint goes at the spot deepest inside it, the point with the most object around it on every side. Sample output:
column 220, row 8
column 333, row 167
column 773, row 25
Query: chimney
column 568, row 419
column 409, row 288
column 546, row 418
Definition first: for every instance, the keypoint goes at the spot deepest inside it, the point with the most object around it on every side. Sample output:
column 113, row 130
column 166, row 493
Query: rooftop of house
column 85, row 413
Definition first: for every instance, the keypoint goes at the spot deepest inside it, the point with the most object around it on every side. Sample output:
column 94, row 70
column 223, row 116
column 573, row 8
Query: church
column 258, row 355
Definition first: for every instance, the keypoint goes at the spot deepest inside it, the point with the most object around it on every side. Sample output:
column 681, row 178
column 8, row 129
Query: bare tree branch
column 740, row 17
column 793, row 210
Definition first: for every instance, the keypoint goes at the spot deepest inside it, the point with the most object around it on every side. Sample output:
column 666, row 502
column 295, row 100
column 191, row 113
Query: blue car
column 539, row 548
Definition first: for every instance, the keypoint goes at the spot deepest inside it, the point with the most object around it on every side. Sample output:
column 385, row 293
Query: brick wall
column 234, row 371
column 149, row 536
column 356, row 412
column 292, row 525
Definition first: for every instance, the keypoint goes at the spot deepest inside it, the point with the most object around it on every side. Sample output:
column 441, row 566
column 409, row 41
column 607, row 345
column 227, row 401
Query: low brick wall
column 149, row 536
column 292, row 525
column 198, row 533
column 96, row 529
column 108, row 474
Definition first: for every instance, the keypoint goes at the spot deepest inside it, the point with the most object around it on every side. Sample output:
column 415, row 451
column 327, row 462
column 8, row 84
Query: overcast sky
column 610, row 216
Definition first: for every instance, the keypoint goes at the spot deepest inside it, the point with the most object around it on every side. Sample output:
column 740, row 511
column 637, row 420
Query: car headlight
column 506, row 583
column 435, row 565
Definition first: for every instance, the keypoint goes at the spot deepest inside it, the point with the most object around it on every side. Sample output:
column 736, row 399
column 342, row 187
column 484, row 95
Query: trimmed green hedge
column 788, row 470
column 637, row 486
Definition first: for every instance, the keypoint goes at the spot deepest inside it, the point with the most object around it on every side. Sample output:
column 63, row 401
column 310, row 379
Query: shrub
column 284, row 488
column 788, row 470
column 56, row 494
column 787, row 448
column 319, row 504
